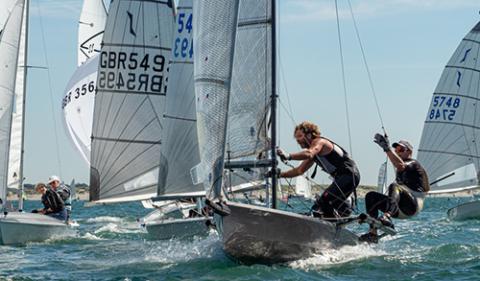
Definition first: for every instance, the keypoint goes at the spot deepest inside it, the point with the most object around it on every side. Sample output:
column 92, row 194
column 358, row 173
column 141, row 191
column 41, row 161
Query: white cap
column 53, row 178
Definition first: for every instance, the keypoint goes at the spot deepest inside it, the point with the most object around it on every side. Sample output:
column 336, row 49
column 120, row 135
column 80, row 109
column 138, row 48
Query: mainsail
column 130, row 101
column 11, row 17
column 449, row 148
column 214, row 37
column 15, row 165
column 90, row 29
column 179, row 149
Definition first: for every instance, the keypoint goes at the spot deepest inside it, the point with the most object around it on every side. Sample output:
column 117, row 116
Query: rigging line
column 288, row 113
column 50, row 87
column 370, row 80
column 343, row 79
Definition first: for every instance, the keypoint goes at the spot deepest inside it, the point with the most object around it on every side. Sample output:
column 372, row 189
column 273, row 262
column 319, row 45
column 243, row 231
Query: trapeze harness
column 344, row 172
column 411, row 186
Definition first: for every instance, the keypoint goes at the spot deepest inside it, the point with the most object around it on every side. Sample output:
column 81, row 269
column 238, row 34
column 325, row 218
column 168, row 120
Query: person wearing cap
column 405, row 195
column 335, row 201
column 62, row 190
column 53, row 205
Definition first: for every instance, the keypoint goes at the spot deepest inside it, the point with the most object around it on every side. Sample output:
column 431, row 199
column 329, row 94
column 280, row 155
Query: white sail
column 15, row 173
column 251, row 81
column 214, row 37
column 450, row 140
column 180, row 146
column 130, row 100
column 382, row 178
column 303, row 186
column 90, row 29
column 11, row 30
column 77, row 105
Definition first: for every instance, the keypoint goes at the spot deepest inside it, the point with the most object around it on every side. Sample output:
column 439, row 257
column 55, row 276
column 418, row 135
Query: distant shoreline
column 361, row 192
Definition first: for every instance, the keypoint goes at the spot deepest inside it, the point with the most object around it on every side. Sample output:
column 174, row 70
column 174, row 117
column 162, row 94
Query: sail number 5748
column 444, row 108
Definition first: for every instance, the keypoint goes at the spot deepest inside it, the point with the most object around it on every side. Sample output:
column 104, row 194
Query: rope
column 370, row 80
column 343, row 79
column 57, row 147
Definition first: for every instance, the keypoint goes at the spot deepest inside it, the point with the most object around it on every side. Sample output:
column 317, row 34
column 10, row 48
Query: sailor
column 62, row 190
column 405, row 195
column 53, row 205
column 334, row 202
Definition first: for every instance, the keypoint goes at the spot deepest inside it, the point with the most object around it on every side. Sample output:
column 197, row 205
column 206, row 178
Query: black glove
column 382, row 141
column 270, row 173
column 284, row 156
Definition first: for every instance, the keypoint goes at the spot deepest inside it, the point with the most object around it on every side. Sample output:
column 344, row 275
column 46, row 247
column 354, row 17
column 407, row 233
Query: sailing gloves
column 284, row 156
column 382, row 141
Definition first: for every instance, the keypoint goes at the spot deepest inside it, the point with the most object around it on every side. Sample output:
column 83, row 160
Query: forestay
column 214, row 37
column 130, row 100
column 180, row 146
column 11, row 15
column 450, row 139
column 90, row 29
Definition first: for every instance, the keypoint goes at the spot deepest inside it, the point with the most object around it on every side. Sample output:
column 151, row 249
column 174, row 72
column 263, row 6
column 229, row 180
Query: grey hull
column 20, row 228
column 253, row 234
column 177, row 228
column 470, row 210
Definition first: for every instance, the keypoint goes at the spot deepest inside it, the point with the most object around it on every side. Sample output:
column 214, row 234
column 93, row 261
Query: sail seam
column 130, row 92
column 179, row 118
column 454, row 123
column 121, row 45
column 446, row 152
column 462, row 67
column 254, row 22
column 127, row 140
column 457, row 95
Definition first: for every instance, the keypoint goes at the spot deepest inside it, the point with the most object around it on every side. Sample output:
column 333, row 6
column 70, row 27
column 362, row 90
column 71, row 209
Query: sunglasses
column 400, row 149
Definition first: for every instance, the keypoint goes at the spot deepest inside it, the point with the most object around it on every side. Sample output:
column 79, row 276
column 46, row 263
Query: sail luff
column 214, row 37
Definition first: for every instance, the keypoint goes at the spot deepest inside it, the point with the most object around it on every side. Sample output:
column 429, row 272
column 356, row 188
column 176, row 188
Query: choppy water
column 109, row 245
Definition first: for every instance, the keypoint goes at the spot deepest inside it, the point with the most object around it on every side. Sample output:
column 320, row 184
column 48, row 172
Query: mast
column 25, row 68
column 273, row 111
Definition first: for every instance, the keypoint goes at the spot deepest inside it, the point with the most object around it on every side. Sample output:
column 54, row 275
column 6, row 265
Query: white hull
column 20, row 228
column 253, row 234
column 470, row 210
column 177, row 228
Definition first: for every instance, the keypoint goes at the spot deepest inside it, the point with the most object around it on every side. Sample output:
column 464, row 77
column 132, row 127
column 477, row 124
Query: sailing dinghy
column 450, row 144
column 16, row 227
column 234, row 67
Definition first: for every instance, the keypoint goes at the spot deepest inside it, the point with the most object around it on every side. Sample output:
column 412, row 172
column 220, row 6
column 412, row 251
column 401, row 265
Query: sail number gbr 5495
column 133, row 71
column 444, row 108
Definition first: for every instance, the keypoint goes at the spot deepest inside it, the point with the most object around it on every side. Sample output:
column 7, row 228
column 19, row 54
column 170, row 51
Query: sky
column 407, row 43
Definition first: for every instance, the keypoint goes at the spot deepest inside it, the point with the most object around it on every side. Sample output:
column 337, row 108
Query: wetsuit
column 334, row 200
column 64, row 192
column 405, row 195
column 54, row 205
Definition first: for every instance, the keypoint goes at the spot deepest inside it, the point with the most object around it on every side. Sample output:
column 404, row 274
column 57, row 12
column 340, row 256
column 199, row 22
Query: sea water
column 109, row 244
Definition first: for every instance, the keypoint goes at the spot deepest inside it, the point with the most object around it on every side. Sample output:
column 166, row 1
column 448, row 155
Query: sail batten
column 450, row 134
column 128, row 127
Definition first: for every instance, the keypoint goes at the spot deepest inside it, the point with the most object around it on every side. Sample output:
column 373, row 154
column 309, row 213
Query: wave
column 104, row 219
column 116, row 228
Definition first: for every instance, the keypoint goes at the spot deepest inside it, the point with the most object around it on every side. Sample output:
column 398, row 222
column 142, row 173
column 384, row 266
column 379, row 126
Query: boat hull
column 253, row 234
column 177, row 228
column 20, row 228
column 470, row 210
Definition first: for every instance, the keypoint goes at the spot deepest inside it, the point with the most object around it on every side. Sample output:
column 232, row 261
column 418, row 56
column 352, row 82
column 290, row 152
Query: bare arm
column 317, row 146
column 396, row 160
column 299, row 170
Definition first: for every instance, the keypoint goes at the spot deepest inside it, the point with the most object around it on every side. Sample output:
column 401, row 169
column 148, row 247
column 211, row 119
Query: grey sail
column 450, row 147
column 180, row 151
column 10, row 39
column 130, row 101
column 214, row 37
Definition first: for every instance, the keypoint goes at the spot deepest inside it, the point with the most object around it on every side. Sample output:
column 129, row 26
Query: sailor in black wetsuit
column 334, row 160
column 405, row 195
column 53, row 204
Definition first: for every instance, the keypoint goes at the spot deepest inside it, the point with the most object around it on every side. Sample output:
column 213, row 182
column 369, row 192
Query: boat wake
column 104, row 219
column 120, row 228
column 342, row 255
